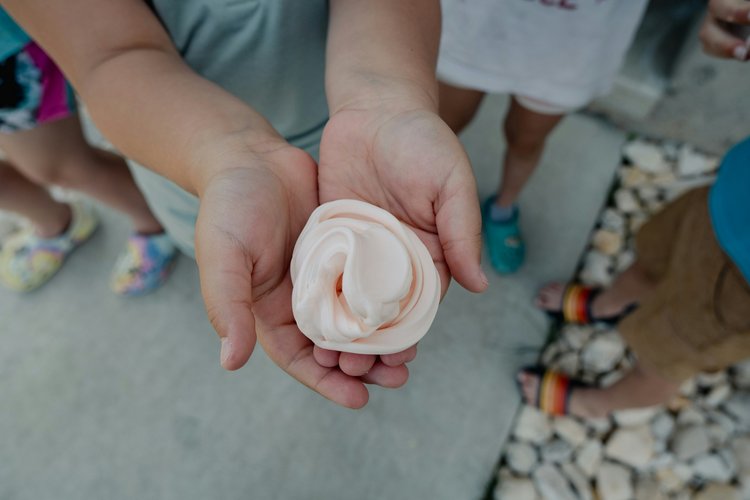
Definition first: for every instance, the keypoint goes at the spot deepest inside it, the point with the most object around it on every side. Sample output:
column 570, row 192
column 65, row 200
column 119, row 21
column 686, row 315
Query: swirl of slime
column 363, row 281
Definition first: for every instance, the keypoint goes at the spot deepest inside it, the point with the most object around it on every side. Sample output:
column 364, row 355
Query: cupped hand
column 406, row 160
column 251, row 213
column 719, row 33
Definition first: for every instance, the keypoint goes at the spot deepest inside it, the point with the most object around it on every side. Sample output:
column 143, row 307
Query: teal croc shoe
column 504, row 242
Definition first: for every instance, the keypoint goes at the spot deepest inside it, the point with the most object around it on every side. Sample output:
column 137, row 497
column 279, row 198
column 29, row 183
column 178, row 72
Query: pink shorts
column 33, row 91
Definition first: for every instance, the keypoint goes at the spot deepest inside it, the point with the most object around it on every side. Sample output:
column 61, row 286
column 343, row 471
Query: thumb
column 225, row 267
column 731, row 11
column 459, row 226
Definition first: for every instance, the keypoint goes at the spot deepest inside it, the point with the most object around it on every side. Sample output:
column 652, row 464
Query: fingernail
column 226, row 351
column 740, row 52
column 483, row 277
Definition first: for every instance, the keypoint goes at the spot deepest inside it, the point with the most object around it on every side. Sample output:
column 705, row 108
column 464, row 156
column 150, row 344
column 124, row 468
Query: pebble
column 589, row 457
column 612, row 220
column 597, row 269
column 633, row 446
column 741, row 374
column 710, row 467
column 633, row 177
column 738, row 406
column 669, row 479
column 647, row 156
column 636, row 416
column 581, row 485
column 718, row 395
column 637, row 220
column 689, row 387
column 718, row 492
column 649, row 192
column 662, row 426
column 624, row 260
column 741, row 449
column 690, row 441
column 648, row 489
column 690, row 162
column 521, row 457
column 557, row 451
column 533, row 426
column 613, row 482
column 570, row 430
column 515, row 488
column 550, row 353
column 576, row 336
column 626, row 201
column 707, row 379
column 607, row 241
column 604, row 352
column 599, row 426
column 690, row 415
column 551, row 484
column 567, row 363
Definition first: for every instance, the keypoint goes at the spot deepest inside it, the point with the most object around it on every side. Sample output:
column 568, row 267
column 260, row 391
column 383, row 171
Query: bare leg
column 632, row 286
column 458, row 105
column 56, row 153
column 21, row 196
column 526, row 132
column 641, row 387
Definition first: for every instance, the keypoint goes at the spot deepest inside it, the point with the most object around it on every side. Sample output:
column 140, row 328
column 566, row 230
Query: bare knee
column 523, row 143
column 9, row 179
column 62, row 172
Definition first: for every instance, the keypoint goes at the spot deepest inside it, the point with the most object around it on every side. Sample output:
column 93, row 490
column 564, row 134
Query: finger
column 294, row 353
column 399, row 358
column 355, row 365
column 719, row 43
column 731, row 11
column 326, row 357
column 225, row 271
column 390, row 377
column 459, row 225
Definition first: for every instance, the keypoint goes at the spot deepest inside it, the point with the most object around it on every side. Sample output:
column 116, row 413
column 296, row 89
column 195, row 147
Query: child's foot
column 503, row 237
column 28, row 260
column 145, row 265
column 561, row 397
column 604, row 305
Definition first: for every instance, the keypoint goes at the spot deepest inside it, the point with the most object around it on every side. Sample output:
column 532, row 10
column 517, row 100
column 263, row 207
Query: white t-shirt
column 565, row 52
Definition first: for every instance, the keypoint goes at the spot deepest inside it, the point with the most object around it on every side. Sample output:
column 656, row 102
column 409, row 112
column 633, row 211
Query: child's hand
column 717, row 34
column 406, row 160
column 250, row 217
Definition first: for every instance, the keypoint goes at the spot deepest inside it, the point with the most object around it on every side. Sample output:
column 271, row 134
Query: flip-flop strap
column 576, row 304
column 554, row 393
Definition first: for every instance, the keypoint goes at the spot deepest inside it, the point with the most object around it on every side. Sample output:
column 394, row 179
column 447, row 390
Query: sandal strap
column 554, row 393
column 576, row 304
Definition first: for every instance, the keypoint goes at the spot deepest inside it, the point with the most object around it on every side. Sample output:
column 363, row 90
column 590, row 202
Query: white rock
column 570, row 430
column 727, row 423
column 669, row 479
column 649, row 192
column 744, row 482
column 718, row 492
column 648, row 489
column 718, row 434
column 664, row 179
column 718, row 395
column 515, row 488
column 711, row 379
column 580, row 483
column 551, row 484
column 589, row 457
column 521, row 457
column 567, row 363
column 690, row 441
column 662, row 426
column 599, row 426
column 663, row 459
column 576, row 336
column 711, row 468
column 533, row 425
column 689, row 387
column 624, row 260
column 647, row 156
column 741, row 374
column 556, row 451
column 690, row 415
column 633, row 446
column 597, row 269
column 632, row 177
column 636, row 416
column 604, row 352
column 551, row 352
column 612, row 220
column 607, row 242
column 738, row 406
column 609, row 378
column 613, row 482
column 626, row 201
column 653, row 206
column 741, row 449
column 690, row 162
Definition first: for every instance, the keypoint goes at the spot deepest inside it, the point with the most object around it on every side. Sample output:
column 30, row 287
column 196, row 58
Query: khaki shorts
column 698, row 318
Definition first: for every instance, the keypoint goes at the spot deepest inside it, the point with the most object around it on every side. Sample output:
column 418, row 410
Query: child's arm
column 385, row 142
column 256, row 190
